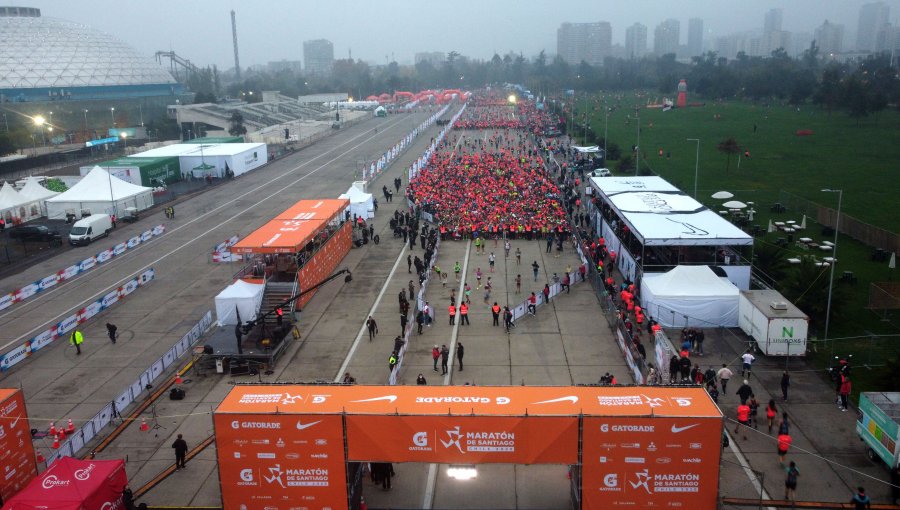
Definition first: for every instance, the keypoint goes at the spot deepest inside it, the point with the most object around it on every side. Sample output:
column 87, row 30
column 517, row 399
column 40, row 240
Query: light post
column 5, row 121
column 50, row 130
column 112, row 115
column 696, row 164
column 837, row 224
column 637, row 163
column 124, row 141
column 141, row 112
column 605, row 133
column 112, row 197
column 85, row 112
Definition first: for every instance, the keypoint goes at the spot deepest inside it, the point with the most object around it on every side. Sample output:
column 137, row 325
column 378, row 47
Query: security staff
column 392, row 361
column 76, row 339
column 463, row 313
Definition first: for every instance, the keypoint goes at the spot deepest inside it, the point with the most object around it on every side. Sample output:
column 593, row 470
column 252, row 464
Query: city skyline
column 270, row 30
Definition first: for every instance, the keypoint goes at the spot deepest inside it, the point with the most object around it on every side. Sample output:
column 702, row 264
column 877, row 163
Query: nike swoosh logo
column 13, row 425
column 676, row 430
column 389, row 398
column 571, row 398
column 301, row 426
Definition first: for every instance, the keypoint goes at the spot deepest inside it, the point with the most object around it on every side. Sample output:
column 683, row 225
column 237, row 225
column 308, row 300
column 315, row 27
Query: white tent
column 240, row 296
column 361, row 203
column 100, row 193
column 693, row 291
column 15, row 208
column 32, row 190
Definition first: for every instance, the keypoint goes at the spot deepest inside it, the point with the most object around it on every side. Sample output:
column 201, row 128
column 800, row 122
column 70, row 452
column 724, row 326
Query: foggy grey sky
column 269, row 30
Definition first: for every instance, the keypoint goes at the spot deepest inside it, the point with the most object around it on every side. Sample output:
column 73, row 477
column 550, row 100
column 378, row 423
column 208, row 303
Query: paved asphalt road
column 567, row 343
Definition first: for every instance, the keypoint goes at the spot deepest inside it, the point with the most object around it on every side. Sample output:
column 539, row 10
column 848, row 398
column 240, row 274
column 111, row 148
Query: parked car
column 601, row 172
column 34, row 233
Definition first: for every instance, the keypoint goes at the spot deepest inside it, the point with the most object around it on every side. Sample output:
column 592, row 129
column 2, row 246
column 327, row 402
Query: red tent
column 72, row 484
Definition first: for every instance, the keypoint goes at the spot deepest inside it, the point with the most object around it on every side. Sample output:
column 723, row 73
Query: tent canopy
column 361, row 203
column 100, row 192
column 661, row 215
column 72, row 484
column 692, row 291
column 9, row 197
column 240, row 297
column 15, row 207
column 34, row 191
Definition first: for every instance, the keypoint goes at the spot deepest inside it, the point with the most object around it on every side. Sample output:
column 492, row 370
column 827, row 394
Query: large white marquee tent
column 690, row 296
column 100, row 193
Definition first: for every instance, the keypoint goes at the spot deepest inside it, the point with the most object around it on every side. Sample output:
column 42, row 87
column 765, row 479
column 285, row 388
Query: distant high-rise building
column 800, row 42
column 695, row 37
column 435, row 58
column 888, row 39
column 590, row 42
column 872, row 19
column 774, row 40
column 318, row 57
column 829, row 38
column 666, row 37
column 636, row 41
column 772, row 22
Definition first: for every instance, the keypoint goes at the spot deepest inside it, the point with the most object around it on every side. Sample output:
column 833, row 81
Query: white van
column 87, row 229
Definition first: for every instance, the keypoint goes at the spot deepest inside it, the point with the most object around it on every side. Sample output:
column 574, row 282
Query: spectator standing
column 460, row 352
column 860, row 501
column 845, row 393
column 445, row 356
column 785, row 384
column 435, row 355
column 181, row 448
column 535, row 267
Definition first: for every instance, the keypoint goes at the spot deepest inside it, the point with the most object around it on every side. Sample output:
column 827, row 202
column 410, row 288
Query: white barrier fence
column 112, row 410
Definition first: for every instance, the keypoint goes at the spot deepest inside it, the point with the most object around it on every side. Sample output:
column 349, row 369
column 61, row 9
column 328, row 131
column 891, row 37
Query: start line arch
column 288, row 446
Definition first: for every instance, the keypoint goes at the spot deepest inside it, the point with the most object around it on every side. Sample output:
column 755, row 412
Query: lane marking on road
column 196, row 237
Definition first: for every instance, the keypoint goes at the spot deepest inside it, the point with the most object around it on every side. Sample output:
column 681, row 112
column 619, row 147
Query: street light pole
column 637, row 163
column 112, row 115
column 85, row 124
column 696, row 164
column 605, row 132
column 837, row 224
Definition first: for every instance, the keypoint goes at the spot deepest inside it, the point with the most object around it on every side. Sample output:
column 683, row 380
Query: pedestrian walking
column 785, row 384
column 420, row 320
column 412, row 289
column 111, row 332
column 860, row 501
column 747, row 360
column 506, row 248
column 507, row 318
column 744, row 392
column 372, row 326
column 181, row 448
column 518, row 256
column 445, row 356
column 535, row 267
column 790, row 482
column 724, row 374
column 420, row 381
column 435, row 354
column 491, row 260
column 743, row 418
column 549, row 243
column 784, row 444
column 518, row 284
column 460, row 352
column 408, row 262
column 76, row 339
column 784, row 426
column 456, row 270
column 754, row 410
column 771, row 413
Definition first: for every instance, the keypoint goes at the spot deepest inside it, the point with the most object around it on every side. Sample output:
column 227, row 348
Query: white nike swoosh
column 389, row 398
column 571, row 398
column 13, row 425
column 301, row 426
column 676, row 430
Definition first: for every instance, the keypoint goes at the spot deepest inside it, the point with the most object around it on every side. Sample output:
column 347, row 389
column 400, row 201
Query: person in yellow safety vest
column 76, row 339
column 392, row 361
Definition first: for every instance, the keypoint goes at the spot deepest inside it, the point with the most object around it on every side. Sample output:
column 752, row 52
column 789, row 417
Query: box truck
column 877, row 425
column 87, row 229
column 776, row 326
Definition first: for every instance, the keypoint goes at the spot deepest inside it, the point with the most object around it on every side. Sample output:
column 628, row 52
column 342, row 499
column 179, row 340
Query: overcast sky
column 268, row 30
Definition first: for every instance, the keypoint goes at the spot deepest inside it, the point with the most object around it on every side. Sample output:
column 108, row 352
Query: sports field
column 863, row 160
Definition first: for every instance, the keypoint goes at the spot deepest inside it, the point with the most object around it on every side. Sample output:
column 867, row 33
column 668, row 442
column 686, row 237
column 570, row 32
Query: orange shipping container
column 17, row 462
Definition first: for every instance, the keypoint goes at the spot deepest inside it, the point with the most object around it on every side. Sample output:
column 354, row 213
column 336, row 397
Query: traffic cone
column 70, row 428
column 52, row 429
column 178, row 379
column 56, row 442
column 40, row 457
column 61, row 433
column 362, row 504
column 144, row 426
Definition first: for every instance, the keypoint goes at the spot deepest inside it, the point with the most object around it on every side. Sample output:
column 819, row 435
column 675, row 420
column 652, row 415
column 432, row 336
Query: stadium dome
column 52, row 59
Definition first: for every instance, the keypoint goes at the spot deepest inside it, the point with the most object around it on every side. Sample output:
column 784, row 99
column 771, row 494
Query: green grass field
column 863, row 160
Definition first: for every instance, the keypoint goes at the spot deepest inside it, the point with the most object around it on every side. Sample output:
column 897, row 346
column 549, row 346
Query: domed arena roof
column 49, row 56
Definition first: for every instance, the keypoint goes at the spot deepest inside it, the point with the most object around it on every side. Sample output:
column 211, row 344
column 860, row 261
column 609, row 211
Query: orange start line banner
column 287, row 446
